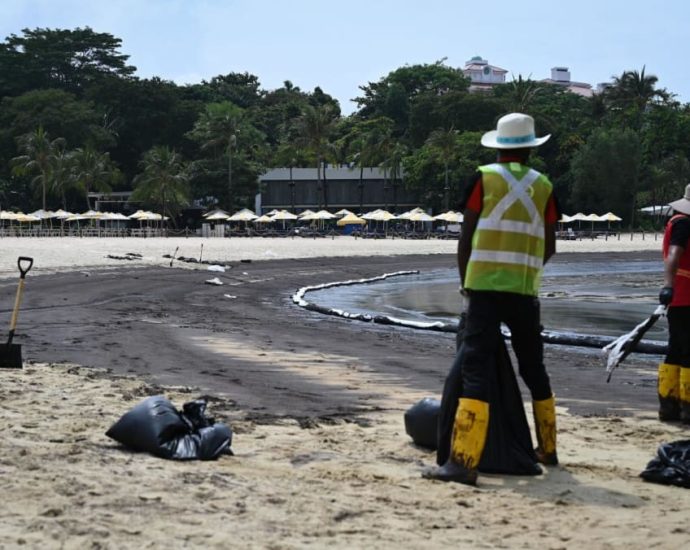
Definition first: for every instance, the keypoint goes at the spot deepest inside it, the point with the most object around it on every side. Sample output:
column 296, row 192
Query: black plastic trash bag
column 508, row 448
column 421, row 422
column 671, row 466
column 156, row 427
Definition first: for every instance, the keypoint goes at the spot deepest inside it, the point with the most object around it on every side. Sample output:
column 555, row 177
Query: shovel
column 11, row 354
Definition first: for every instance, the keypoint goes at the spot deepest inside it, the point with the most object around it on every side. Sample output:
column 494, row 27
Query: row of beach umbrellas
column 344, row 216
column 608, row 217
column 62, row 215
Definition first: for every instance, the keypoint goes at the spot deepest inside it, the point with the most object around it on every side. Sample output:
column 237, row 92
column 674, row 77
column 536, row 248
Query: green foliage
column 606, row 173
column 54, row 58
column 59, row 113
column 235, row 149
column 93, row 171
column 37, row 159
column 76, row 87
column 164, row 182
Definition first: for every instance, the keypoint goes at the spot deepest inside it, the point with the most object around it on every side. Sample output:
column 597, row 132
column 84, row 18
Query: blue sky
column 340, row 45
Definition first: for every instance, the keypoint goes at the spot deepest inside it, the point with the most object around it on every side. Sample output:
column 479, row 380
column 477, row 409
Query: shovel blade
column 10, row 356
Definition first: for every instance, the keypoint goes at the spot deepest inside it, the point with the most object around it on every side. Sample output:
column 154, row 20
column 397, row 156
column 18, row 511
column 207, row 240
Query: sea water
column 599, row 297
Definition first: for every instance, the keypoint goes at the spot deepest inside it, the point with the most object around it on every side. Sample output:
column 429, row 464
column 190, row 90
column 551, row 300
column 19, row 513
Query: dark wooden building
column 297, row 189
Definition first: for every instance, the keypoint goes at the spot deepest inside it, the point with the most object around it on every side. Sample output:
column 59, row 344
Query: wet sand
column 317, row 405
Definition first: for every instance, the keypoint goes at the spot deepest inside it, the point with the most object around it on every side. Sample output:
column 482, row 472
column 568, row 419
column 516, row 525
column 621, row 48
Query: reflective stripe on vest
column 681, row 282
column 508, row 243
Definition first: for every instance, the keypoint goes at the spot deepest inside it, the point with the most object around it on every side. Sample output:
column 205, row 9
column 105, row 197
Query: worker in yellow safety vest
column 508, row 235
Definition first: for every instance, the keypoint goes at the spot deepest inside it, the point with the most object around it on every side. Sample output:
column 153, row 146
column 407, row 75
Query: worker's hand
column 666, row 295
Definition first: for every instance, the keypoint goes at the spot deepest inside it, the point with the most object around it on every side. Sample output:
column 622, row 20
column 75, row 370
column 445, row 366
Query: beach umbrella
column 407, row 215
column 320, row 215
column 92, row 214
column 244, row 215
column 136, row 215
column 593, row 218
column 43, row 214
column 450, row 217
column 284, row 215
column 368, row 215
column 211, row 213
column 343, row 212
column 217, row 216
column 610, row 217
column 62, row 214
column 657, row 210
column 263, row 219
column 350, row 219
column 141, row 215
column 421, row 217
column 381, row 216
column 7, row 215
column 324, row 215
column 304, row 214
column 27, row 218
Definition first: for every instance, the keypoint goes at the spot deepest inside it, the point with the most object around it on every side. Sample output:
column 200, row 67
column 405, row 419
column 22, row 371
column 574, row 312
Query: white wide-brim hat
column 682, row 205
column 513, row 131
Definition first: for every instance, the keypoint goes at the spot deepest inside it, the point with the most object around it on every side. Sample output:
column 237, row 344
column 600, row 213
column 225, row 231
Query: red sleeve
column 551, row 215
column 474, row 203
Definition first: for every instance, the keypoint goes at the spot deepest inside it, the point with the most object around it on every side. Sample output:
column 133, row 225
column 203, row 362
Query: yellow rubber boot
column 469, row 438
column 684, row 395
column 545, row 424
column 669, row 391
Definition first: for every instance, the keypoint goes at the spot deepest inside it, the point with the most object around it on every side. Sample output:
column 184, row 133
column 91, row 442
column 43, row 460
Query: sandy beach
column 56, row 254
column 316, row 404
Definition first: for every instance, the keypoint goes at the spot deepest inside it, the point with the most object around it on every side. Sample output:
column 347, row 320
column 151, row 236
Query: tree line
column 75, row 118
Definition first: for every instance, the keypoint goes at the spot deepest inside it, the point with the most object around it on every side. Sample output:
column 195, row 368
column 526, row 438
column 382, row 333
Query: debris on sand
column 191, row 260
column 128, row 256
column 215, row 281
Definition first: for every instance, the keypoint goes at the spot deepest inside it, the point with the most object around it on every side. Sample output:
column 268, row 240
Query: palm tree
column 93, row 171
column 62, row 173
column 221, row 122
column 634, row 91
column 522, row 94
column 288, row 154
column 164, row 181
column 38, row 153
column 445, row 142
column 314, row 127
column 394, row 163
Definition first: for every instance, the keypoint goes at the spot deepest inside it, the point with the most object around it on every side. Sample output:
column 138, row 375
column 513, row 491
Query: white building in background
column 482, row 75
column 561, row 77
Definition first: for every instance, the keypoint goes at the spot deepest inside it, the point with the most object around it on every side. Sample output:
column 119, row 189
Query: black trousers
column 481, row 357
column 486, row 312
column 679, row 336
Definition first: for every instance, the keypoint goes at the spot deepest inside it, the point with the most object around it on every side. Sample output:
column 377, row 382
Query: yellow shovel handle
column 17, row 301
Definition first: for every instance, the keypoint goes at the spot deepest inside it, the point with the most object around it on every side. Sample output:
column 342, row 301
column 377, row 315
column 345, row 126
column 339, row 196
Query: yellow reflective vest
column 508, row 243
